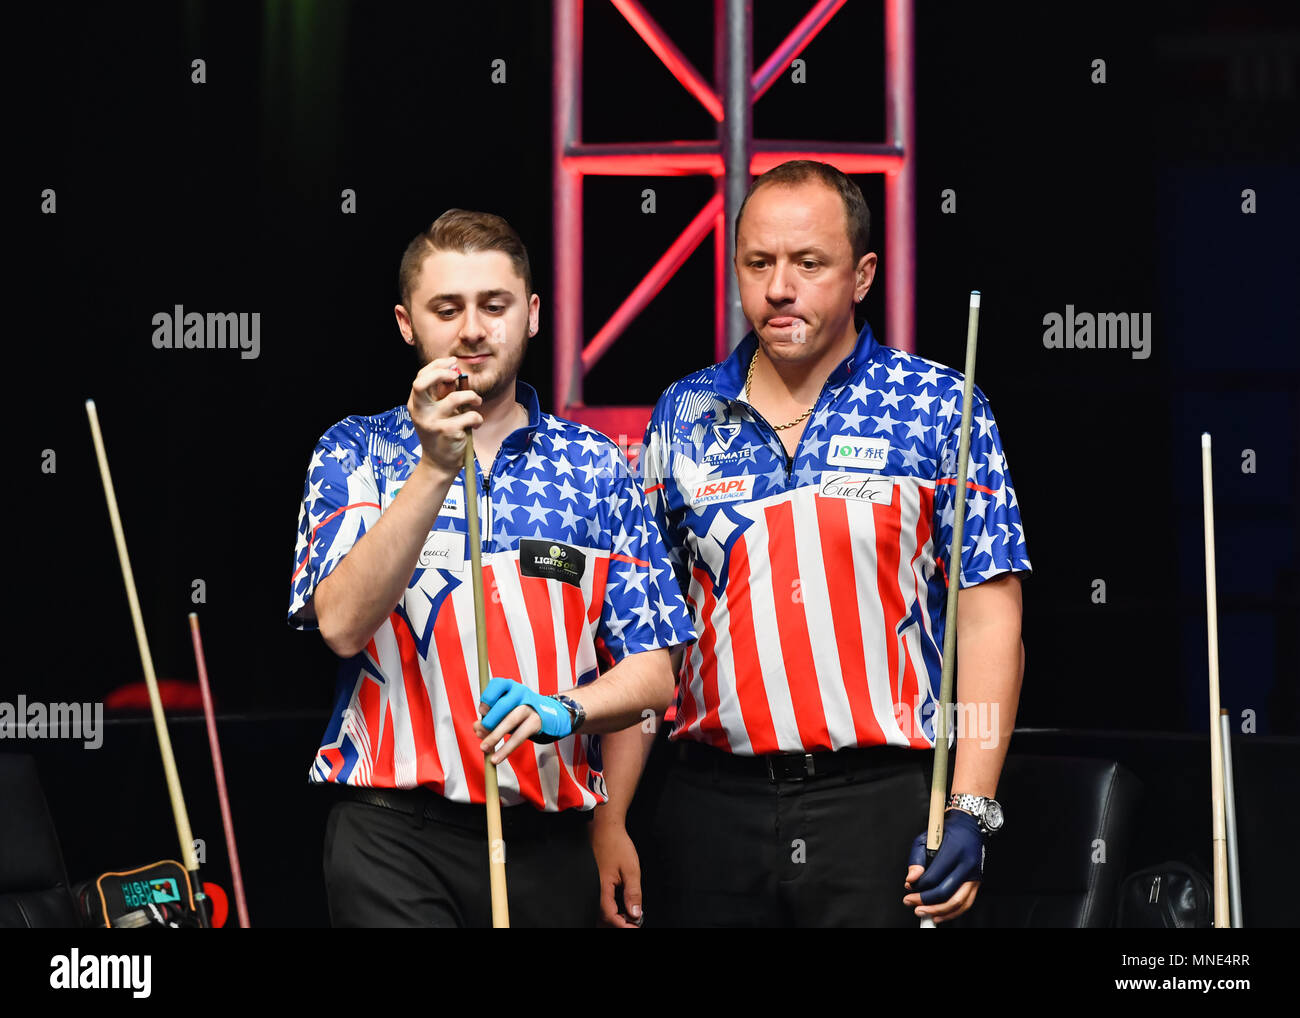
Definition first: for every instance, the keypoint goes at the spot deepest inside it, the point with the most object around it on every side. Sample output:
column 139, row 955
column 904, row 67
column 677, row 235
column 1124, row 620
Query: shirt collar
column 729, row 380
column 519, row 439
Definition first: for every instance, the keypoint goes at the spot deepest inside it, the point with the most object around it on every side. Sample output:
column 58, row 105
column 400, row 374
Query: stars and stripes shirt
column 818, row 584
column 573, row 565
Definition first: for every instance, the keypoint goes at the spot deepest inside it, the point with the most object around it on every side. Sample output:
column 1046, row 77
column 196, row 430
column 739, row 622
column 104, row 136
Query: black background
column 225, row 196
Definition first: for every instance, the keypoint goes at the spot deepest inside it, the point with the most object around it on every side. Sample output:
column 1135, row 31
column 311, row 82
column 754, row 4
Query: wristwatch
column 577, row 715
column 987, row 812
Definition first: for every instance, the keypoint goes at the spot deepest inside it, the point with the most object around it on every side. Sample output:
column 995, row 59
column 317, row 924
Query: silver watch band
column 987, row 812
column 970, row 803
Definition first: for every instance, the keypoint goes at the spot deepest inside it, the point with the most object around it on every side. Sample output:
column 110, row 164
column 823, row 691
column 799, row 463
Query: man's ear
column 864, row 272
column 404, row 323
column 534, row 317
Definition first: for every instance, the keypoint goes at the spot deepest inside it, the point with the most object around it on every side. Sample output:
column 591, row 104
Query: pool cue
column 218, row 768
column 182, row 818
column 496, row 844
column 1230, row 827
column 1219, row 844
column 939, row 776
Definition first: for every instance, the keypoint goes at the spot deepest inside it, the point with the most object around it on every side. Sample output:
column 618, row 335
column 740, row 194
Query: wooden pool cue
column 182, row 818
column 219, row 769
column 1219, row 843
column 496, row 844
column 939, row 776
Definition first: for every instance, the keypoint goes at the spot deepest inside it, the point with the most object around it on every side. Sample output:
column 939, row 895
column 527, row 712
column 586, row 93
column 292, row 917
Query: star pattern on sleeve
column 895, row 375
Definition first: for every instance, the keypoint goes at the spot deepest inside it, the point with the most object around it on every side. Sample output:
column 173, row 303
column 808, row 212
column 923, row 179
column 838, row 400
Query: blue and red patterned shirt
column 818, row 583
column 573, row 566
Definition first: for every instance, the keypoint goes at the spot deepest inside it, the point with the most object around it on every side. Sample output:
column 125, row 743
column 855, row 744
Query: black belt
column 774, row 767
column 523, row 820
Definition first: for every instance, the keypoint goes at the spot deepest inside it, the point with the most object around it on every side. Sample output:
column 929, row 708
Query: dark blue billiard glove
column 504, row 695
column 960, row 858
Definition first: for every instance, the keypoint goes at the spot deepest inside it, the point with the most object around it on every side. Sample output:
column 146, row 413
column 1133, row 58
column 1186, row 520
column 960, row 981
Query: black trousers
column 741, row 850
column 384, row 867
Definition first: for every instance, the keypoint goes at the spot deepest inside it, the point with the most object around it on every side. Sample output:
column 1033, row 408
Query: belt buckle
column 807, row 767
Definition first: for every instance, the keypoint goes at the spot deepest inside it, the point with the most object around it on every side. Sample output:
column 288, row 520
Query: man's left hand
column 951, row 880
column 515, row 713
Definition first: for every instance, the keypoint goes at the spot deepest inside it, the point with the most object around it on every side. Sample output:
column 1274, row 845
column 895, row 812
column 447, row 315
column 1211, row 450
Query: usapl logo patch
column 723, row 489
column 551, row 560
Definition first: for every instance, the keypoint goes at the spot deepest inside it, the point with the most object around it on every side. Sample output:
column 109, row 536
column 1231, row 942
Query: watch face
column 992, row 815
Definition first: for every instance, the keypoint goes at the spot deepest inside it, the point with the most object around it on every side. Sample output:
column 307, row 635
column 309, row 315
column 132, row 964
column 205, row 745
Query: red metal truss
column 732, row 159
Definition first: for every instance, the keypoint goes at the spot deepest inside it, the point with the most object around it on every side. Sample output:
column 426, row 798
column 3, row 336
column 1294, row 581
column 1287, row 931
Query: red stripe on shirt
column 537, row 602
column 428, row 765
column 888, row 526
column 575, row 612
column 503, row 662
column 573, row 780
column 792, row 627
column 923, row 535
column 368, row 704
column 750, row 691
column 689, row 711
column 915, row 734
column 711, row 730
column 969, row 484
column 384, row 773
column 837, row 548
column 460, row 701
column 599, row 577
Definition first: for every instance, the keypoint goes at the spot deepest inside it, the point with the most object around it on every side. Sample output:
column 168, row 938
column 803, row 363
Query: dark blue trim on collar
column 519, row 439
column 863, row 352
column 729, row 379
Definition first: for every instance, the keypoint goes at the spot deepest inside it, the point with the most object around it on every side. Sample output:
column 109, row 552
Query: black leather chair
column 1040, row 871
column 34, row 890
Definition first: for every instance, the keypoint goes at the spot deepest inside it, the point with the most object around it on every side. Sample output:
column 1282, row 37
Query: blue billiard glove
column 960, row 858
column 504, row 695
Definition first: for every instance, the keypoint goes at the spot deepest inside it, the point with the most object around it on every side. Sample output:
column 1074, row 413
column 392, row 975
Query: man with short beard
column 572, row 560
column 805, row 490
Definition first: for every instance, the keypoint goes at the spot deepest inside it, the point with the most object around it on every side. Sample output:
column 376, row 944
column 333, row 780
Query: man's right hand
column 442, row 414
column 619, row 867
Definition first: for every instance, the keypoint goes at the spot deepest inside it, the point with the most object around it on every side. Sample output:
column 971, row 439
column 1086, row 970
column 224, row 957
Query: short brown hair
column 799, row 171
column 466, row 232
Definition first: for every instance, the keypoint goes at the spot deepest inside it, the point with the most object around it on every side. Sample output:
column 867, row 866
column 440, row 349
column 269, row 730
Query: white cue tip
column 974, row 298
column 90, row 404
column 1205, row 439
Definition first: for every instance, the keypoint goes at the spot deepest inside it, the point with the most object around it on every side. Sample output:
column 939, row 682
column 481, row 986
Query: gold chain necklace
column 749, row 381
